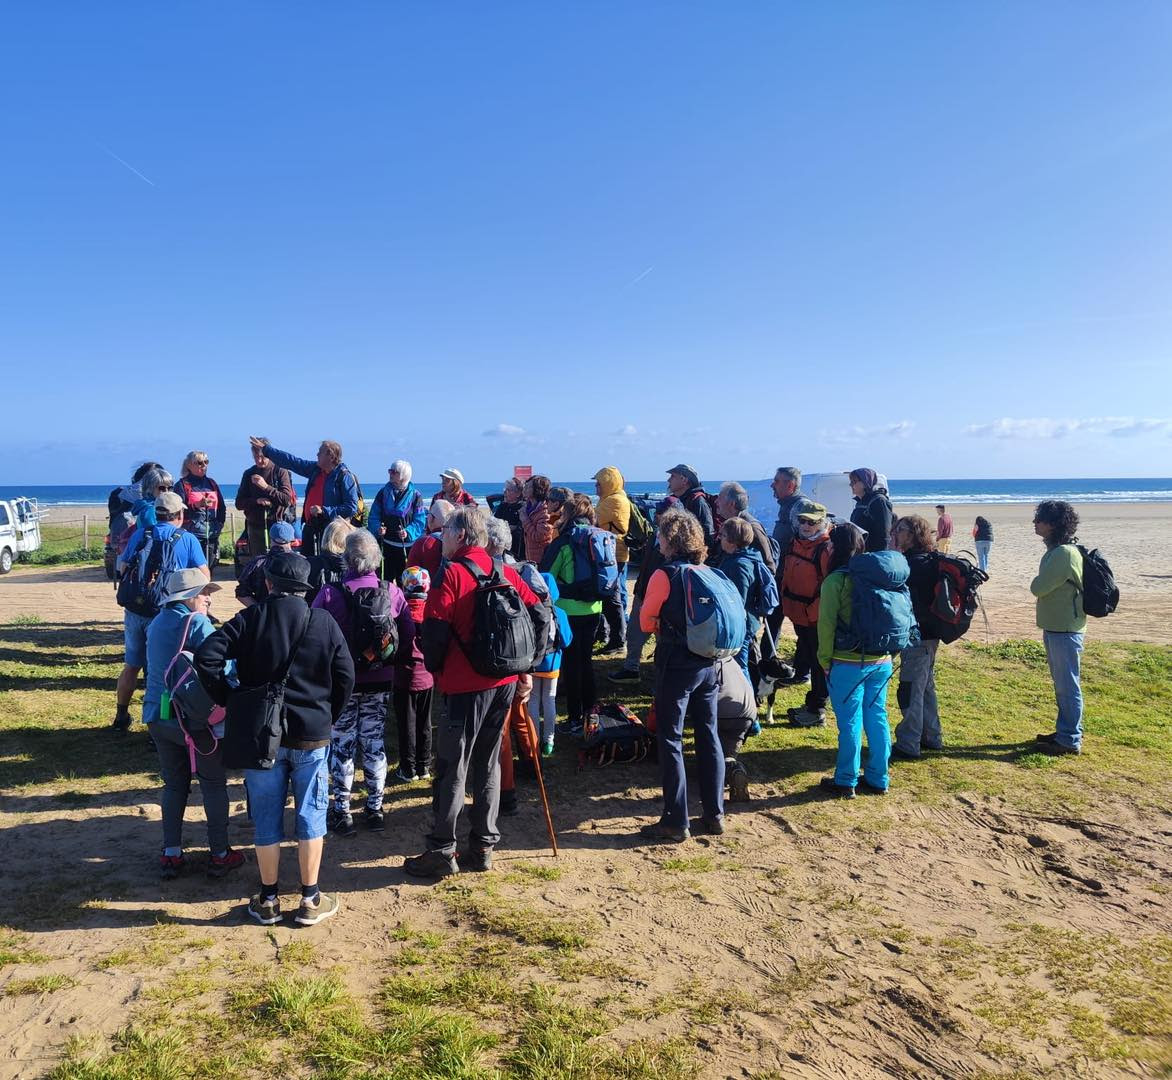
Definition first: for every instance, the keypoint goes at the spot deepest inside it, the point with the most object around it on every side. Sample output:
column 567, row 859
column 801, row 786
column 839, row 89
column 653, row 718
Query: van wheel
column 5, row 560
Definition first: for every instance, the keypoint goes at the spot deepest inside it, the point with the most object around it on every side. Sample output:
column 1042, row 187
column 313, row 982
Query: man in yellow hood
column 614, row 514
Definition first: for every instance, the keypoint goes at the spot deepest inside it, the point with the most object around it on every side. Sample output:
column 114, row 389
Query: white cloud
column 1043, row 427
column 856, row 434
column 505, row 431
column 627, row 431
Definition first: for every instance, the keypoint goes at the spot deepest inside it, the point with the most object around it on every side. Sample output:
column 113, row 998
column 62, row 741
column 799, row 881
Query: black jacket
column 260, row 639
column 922, row 585
column 872, row 514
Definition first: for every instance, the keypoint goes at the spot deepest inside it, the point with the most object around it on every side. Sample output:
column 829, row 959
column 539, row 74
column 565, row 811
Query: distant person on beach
column 983, row 541
column 872, row 512
column 205, row 511
column 397, row 518
column 943, row 530
column 1060, row 616
column 452, row 489
column 331, row 492
column 252, row 588
column 427, row 551
column 265, row 496
column 535, row 518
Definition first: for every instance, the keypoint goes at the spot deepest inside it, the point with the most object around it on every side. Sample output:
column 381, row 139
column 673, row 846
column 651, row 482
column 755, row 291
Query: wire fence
column 82, row 538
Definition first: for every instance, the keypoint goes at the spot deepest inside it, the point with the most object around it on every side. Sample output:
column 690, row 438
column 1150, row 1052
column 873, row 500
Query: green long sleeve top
column 563, row 573
column 834, row 608
column 1058, row 588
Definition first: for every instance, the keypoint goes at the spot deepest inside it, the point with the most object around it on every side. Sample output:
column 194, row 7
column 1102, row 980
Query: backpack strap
column 296, row 648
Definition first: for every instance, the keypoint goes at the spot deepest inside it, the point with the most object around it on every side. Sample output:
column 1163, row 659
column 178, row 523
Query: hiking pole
column 535, row 754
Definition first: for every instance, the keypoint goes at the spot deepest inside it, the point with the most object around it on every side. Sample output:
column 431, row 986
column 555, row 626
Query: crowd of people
column 455, row 617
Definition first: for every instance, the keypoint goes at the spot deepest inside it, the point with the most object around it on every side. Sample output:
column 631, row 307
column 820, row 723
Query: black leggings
column 577, row 675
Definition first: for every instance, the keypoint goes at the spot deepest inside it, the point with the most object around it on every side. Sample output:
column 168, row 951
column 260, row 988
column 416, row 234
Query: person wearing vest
column 806, row 567
column 685, row 686
column 1060, row 616
column 398, row 518
column 205, row 511
column 469, row 736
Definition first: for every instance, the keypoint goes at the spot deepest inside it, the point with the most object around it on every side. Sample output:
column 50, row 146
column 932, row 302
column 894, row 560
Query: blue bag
column 596, row 566
column 714, row 615
column 763, row 595
column 882, row 620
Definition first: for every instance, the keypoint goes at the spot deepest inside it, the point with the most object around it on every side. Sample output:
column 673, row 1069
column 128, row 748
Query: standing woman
column 872, row 512
column 739, row 563
column 1062, row 620
column 452, row 489
column 983, row 539
column 685, row 685
column 535, row 522
column 204, row 502
column 397, row 518
column 577, row 661
column 857, row 683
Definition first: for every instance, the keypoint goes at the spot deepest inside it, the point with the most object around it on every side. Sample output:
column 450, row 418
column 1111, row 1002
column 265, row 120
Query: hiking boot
column 431, row 864
column 933, row 747
column 738, row 783
column 219, row 865
column 474, row 860
column 1047, row 736
column 708, row 826
column 867, row 788
column 659, row 832
column 265, row 912
column 311, row 912
column 804, row 717
column 547, row 748
column 839, row 791
column 343, row 823
column 617, row 649
column 373, row 819
column 1057, row 749
column 898, row 754
column 623, row 675
column 400, row 777
column 120, row 725
column 171, row 866
column 508, row 804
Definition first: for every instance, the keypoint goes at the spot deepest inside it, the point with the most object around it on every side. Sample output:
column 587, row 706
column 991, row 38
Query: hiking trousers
column 361, row 727
column 577, row 674
column 413, row 717
column 636, row 637
column 806, row 663
column 175, row 765
column 680, row 693
column 469, row 739
column 920, row 726
column 614, row 612
column 858, row 693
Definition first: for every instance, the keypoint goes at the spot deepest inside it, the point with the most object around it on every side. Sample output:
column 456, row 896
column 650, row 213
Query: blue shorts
column 134, row 630
column 267, row 789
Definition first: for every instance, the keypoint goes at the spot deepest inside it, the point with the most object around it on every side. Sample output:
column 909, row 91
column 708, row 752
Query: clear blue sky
column 930, row 237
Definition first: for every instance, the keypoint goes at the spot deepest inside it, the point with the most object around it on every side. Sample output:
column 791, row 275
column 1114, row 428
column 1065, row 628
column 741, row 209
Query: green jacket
column 834, row 608
column 1058, row 588
column 563, row 573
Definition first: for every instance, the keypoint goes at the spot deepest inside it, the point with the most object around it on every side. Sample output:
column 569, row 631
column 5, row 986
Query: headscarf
column 867, row 477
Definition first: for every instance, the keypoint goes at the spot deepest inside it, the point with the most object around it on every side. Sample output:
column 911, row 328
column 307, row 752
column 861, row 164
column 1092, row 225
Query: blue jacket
column 340, row 494
column 406, row 512
column 553, row 659
column 741, row 569
column 163, row 637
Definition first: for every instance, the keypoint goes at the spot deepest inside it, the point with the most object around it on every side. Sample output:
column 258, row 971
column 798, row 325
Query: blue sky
column 929, row 237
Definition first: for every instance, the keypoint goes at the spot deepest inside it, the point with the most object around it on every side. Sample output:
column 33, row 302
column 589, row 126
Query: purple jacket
column 332, row 600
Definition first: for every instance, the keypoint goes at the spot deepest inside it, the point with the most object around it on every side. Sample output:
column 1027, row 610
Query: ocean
column 905, row 492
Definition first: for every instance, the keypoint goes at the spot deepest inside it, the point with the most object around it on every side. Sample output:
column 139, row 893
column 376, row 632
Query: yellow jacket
column 614, row 508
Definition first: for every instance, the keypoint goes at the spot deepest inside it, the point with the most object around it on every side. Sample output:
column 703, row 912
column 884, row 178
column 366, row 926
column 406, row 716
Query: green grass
column 14, row 949
column 38, row 984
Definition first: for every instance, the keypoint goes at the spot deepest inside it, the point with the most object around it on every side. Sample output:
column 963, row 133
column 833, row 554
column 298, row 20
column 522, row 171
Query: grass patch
column 39, row 984
column 153, row 948
column 494, row 914
column 14, row 949
column 692, row 864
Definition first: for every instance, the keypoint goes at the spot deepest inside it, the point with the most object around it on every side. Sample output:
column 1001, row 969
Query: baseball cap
column 169, row 503
column 281, row 532
column 453, row 474
column 816, row 513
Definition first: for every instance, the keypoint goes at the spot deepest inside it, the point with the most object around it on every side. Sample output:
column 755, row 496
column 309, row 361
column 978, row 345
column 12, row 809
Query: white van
column 20, row 529
column 832, row 490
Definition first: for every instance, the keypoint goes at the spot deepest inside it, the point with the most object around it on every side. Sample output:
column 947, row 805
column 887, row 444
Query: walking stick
column 535, row 755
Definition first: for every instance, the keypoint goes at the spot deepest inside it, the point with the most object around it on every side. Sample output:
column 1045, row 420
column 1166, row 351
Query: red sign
column 523, row 472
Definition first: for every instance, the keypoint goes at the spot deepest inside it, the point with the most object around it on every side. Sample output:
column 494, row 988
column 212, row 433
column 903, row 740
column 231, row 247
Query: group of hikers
column 351, row 613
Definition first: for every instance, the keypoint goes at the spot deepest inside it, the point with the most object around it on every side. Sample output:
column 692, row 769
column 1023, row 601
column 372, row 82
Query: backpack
column 502, row 642
column 714, row 616
column 1100, row 594
column 639, row 529
column 596, row 568
column 184, row 698
column 763, row 595
column 882, row 620
column 613, row 733
column 359, row 518
column 689, row 501
column 141, row 589
column 954, row 598
column 373, row 637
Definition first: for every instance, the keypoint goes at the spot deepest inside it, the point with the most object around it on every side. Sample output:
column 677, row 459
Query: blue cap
column 281, row 532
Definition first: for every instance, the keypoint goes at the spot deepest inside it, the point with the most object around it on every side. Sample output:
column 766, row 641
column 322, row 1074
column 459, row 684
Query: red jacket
column 452, row 603
column 415, row 676
column 428, row 552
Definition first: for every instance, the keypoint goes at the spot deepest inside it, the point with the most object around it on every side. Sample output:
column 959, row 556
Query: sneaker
column 400, row 777
column 804, row 717
column 898, row 754
column 708, row 826
column 867, row 788
column 738, row 783
column 1046, row 736
column 474, row 860
column 623, row 675
column 613, row 650
column 373, row 819
column 659, row 832
column 311, row 912
column 1057, row 749
column 423, row 774
column 431, row 864
column 219, row 865
column 839, row 791
column 171, row 866
column 547, row 748
column 120, row 725
column 265, row 912
column 343, row 823
column 508, row 804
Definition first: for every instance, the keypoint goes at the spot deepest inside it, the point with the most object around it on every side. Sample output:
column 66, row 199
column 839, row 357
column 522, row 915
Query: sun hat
column 453, row 474
column 281, row 532
column 169, row 503
column 184, row 584
column 288, row 571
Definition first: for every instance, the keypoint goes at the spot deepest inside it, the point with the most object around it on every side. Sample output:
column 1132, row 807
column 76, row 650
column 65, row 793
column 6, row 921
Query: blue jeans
column 982, row 547
column 691, row 692
column 858, row 693
column 1064, row 653
column 311, row 795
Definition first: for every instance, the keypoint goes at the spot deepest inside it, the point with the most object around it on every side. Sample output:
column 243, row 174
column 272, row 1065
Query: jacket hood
column 609, row 481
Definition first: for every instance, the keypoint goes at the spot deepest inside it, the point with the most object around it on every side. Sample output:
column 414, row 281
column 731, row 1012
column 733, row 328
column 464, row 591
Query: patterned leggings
column 362, row 722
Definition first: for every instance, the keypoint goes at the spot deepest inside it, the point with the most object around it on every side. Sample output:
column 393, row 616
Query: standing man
column 613, row 513
column 265, row 495
column 787, row 490
column 943, row 531
column 683, row 483
column 469, row 736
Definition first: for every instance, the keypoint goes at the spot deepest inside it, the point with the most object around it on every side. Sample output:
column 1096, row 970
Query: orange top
column 658, row 590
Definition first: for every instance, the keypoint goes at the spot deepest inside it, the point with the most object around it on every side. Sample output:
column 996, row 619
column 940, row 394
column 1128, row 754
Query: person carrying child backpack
column 414, row 687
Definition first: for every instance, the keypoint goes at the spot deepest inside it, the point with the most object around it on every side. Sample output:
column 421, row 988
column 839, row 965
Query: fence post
column 232, row 524
column 85, row 531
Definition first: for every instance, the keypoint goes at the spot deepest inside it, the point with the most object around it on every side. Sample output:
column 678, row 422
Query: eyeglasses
column 163, row 487
column 200, row 461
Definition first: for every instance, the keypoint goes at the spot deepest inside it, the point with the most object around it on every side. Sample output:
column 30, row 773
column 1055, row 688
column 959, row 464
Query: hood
column 610, row 480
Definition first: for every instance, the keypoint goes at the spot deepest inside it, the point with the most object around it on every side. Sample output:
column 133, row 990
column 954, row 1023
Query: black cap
column 288, row 571
column 687, row 472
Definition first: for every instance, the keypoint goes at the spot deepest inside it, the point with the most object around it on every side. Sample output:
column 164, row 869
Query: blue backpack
column 714, row 616
column 882, row 620
column 144, row 580
column 763, row 595
column 596, row 566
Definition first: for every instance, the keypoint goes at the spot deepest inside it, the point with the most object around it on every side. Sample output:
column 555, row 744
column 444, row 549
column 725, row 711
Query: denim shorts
column 134, row 630
column 267, row 788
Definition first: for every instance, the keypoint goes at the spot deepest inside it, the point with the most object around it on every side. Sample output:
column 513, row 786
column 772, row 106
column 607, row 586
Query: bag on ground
column 373, row 637
column 882, row 621
column 502, row 630
column 714, row 616
column 614, row 734
column 954, row 597
column 1100, row 594
column 142, row 585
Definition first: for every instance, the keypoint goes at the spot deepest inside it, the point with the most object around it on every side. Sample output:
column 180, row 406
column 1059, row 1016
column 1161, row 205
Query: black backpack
column 502, row 630
column 954, row 598
column 373, row 638
column 1100, row 594
column 613, row 734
